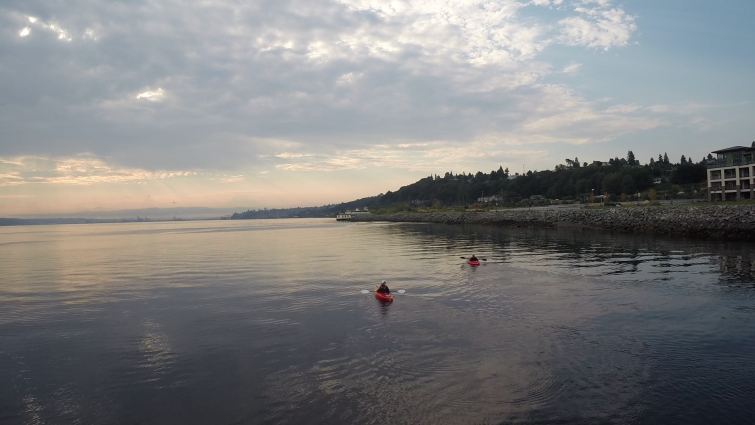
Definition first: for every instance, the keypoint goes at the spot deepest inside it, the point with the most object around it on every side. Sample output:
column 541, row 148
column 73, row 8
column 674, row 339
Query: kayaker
column 383, row 288
column 473, row 258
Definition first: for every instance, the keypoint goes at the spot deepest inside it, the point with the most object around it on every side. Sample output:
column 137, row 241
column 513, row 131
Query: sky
column 109, row 105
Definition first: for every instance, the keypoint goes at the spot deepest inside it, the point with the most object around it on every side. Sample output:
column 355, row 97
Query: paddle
column 483, row 259
column 400, row 291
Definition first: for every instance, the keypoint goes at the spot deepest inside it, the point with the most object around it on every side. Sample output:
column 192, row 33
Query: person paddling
column 473, row 258
column 383, row 288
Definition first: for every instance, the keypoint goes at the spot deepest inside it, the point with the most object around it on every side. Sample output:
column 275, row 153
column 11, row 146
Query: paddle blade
column 401, row 291
column 364, row 291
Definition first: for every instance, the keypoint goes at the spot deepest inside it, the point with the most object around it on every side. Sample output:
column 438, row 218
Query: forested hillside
column 572, row 180
column 569, row 181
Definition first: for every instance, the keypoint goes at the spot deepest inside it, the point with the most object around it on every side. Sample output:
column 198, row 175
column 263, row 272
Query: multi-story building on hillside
column 730, row 175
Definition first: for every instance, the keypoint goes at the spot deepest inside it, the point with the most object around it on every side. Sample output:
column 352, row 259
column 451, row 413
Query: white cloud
column 598, row 27
column 572, row 68
column 154, row 96
column 623, row 109
column 79, row 170
column 24, row 32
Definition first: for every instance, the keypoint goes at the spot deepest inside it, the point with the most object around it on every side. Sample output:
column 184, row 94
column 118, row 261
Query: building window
column 730, row 173
column 744, row 172
column 714, row 175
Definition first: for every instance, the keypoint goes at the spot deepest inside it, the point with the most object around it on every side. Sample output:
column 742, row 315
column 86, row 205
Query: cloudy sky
column 276, row 103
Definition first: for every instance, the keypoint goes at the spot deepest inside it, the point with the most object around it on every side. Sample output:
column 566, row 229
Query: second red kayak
column 384, row 297
column 474, row 263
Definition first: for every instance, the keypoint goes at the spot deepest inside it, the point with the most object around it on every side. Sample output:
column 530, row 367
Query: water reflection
column 264, row 322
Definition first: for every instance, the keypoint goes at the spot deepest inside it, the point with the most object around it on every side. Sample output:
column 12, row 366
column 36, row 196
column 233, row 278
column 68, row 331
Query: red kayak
column 473, row 263
column 384, row 297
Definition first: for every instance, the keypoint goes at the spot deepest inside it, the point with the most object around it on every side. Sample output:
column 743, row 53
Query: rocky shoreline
column 732, row 222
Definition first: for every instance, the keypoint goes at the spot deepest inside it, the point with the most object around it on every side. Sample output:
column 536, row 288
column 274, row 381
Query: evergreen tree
column 652, row 161
column 630, row 158
column 665, row 158
column 627, row 184
column 683, row 160
column 660, row 159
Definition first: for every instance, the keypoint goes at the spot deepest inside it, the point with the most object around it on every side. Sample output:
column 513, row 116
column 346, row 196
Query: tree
column 689, row 173
column 660, row 159
column 612, row 183
column 652, row 161
column 630, row 158
column 665, row 158
column 683, row 160
column 652, row 195
column 623, row 197
column 576, row 162
column 627, row 184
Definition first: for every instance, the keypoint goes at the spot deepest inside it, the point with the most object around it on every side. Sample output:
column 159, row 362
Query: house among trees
column 349, row 214
column 488, row 199
column 730, row 174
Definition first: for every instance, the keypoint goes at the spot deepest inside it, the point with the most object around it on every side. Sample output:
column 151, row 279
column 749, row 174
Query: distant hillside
column 573, row 180
column 307, row 212
column 151, row 213
column 41, row 221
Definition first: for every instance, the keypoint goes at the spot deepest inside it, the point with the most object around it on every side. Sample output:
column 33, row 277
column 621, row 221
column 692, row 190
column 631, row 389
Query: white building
column 349, row 214
column 730, row 177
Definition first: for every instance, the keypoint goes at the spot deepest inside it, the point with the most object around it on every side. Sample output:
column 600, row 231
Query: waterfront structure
column 349, row 214
column 488, row 199
column 730, row 176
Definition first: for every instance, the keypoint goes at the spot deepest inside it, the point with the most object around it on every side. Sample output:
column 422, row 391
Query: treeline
column 572, row 180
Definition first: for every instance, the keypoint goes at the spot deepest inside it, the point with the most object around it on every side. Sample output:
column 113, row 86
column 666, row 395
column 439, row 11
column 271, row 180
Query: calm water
column 263, row 322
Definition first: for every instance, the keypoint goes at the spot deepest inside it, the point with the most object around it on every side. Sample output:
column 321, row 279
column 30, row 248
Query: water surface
column 235, row 322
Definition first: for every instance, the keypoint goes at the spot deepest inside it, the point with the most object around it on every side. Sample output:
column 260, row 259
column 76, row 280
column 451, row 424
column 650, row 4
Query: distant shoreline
column 730, row 222
column 51, row 221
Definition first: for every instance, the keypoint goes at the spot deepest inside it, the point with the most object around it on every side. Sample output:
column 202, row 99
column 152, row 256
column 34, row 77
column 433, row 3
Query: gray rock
column 714, row 221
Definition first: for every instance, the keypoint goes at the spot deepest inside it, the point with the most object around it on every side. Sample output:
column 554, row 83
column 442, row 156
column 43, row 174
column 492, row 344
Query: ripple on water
column 266, row 323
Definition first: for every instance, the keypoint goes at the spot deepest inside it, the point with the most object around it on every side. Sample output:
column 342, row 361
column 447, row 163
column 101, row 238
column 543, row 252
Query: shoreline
column 729, row 222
